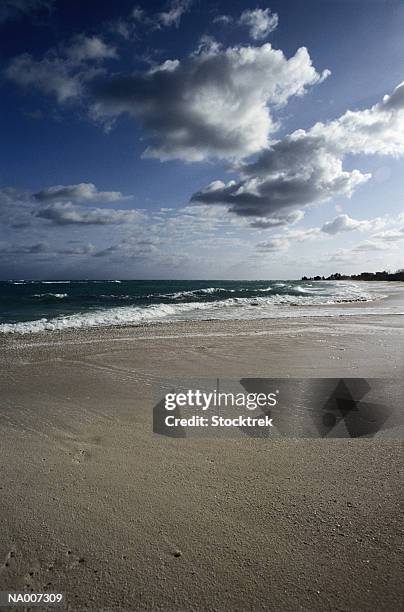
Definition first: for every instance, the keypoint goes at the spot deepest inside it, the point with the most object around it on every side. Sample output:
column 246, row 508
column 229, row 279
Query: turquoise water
column 36, row 305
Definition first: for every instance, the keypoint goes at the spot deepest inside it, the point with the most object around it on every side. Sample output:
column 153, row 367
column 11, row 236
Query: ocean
column 33, row 306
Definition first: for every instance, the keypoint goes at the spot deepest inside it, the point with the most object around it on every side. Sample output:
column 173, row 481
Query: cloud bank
column 306, row 167
column 64, row 205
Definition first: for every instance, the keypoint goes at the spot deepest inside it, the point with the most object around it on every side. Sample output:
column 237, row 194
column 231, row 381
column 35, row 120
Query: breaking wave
column 230, row 308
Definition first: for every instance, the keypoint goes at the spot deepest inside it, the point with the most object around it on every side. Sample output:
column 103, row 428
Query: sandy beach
column 95, row 505
column 202, row 306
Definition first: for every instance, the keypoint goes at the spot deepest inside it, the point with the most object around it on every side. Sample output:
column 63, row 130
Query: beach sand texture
column 96, row 506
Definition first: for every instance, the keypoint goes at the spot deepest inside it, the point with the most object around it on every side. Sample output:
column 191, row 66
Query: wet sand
column 94, row 505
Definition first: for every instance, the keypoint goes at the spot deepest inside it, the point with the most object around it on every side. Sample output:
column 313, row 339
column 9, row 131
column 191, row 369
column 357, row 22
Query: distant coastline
column 365, row 276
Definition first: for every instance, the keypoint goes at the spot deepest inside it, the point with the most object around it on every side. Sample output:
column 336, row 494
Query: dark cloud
column 63, row 72
column 130, row 249
column 15, row 208
column 41, row 248
column 279, row 192
column 274, row 245
column 279, row 221
column 20, row 209
column 38, row 248
column 15, row 9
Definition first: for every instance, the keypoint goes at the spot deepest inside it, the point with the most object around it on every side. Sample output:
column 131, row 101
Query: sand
column 96, row 506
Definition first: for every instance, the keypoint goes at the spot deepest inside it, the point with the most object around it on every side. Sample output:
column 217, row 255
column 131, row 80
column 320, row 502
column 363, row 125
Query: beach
column 202, row 306
column 97, row 506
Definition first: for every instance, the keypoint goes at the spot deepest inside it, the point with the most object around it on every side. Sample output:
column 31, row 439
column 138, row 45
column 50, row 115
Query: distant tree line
column 365, row 276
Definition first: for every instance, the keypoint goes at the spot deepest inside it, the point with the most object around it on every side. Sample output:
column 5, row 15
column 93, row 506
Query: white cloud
column 261, row 22
column 164, row 19
column 50, row 75
column 174, row 13
column 390, row 235
column 215, row 103
column 82, row 192
column 84, row 48
column 345, row 223
column 223, row 19
column 369, row 245
column 301, row 235
column 376, row 130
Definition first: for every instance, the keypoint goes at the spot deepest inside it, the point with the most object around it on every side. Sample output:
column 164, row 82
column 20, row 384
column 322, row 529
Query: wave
column 113, row 296
column 230, row 308
column 63, row 282
column 59, row 296
column 194, row 293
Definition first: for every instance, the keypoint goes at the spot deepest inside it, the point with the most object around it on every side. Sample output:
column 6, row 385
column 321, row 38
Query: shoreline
column 96, row 505
column 387, row 300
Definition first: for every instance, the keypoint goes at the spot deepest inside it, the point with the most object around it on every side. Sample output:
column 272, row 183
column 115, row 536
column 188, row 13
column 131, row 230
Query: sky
column 199, row 139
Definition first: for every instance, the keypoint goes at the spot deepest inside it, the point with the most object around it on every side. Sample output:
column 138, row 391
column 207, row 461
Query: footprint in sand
column 74, row 560
column 80, row 448
column 39, row 577
column 7, row 561
column 81, row 456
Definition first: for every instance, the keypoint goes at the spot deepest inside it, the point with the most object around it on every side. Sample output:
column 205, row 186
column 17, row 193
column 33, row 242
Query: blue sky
column 190, row 139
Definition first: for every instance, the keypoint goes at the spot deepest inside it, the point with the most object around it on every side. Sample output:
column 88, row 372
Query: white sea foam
column 230, row 308
column 60, row 296
column 196, row 292
column 114, row 296
column 63, row 282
